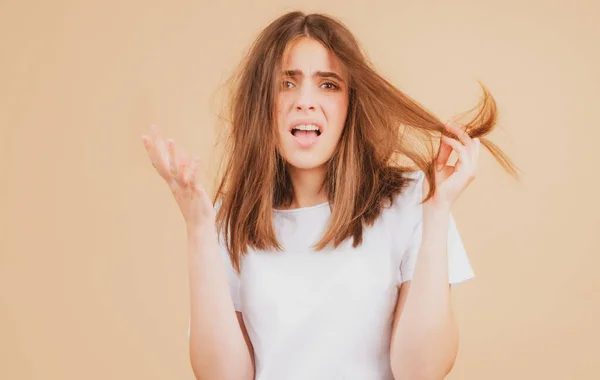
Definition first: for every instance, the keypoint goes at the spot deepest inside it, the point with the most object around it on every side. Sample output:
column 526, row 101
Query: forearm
column 425, row 341
column 216, row 339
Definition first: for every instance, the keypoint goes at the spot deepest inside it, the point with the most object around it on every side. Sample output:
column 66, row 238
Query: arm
column 425, row 335
column 424, row 341
column 217, row 334
column 216, row 337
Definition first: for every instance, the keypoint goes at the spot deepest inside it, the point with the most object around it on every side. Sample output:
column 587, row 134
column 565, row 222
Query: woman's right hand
column 179, row 171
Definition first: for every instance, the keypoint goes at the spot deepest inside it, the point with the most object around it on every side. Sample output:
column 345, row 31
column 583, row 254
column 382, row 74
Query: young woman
column 322, row 256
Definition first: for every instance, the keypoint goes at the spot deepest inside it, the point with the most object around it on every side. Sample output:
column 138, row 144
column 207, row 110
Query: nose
column 306, row 99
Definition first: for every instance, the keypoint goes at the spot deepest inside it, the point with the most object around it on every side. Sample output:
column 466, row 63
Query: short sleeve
column 459, row 266
column 233, row 278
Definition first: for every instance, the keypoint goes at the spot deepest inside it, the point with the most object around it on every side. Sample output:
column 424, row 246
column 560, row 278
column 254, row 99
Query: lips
column 296, row 131
column 305, row 138
column 299, row 122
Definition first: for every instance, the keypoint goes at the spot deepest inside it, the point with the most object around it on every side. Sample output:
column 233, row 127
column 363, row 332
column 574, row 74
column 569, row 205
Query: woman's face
column 314, row 94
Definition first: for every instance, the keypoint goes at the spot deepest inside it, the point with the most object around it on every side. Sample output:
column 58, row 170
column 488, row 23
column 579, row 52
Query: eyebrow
column 321, row 74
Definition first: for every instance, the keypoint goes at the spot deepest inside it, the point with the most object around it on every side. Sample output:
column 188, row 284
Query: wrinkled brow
column 321, row 74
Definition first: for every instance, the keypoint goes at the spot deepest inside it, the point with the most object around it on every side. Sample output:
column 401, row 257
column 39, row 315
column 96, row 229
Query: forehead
column 308, row 55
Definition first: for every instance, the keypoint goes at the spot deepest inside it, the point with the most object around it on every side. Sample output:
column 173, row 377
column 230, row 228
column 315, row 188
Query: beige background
column 93, row 270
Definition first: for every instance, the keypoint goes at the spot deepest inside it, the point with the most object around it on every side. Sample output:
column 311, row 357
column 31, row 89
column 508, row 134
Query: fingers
column 160, row 148
column 173, row 159
column 460, row 133
column 157, row 160
column 184, row 164
column 460, row 149
column 443, row 155
column 170, row 161
column 467, row 158
column 192, row 172
column 472, row 144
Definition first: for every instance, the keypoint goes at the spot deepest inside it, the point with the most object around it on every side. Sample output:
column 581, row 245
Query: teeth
column 307, row 127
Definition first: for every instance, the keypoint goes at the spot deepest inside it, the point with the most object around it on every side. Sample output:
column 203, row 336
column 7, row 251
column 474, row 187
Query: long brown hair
column 383, row 126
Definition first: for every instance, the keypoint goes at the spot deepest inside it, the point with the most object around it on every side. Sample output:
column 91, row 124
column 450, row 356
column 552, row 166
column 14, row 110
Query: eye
column 330, row 86
column 287, row 84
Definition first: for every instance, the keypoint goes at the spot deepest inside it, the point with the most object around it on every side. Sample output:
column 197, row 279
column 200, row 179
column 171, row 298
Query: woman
column 321, row 256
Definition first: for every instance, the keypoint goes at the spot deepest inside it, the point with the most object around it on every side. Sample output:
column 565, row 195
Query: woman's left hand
column 452, row 180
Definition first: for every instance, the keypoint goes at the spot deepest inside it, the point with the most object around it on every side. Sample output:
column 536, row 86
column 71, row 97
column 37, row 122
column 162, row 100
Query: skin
column 309, row 92
column 424, row 340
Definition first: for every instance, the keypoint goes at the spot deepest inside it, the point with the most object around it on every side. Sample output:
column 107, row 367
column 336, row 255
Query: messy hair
column 386, row 135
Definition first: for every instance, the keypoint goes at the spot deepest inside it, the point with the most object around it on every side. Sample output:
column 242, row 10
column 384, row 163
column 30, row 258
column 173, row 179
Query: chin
column 306, row 163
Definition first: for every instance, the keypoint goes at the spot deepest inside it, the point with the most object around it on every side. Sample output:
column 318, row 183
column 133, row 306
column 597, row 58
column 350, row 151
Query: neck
column 307, row 184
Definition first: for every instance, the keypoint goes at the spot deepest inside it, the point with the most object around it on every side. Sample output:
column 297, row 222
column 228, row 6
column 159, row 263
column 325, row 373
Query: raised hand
column 452, row 180
column 178, row 170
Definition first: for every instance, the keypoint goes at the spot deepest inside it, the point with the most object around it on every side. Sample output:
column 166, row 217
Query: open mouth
column 306, row 135
column 306, row 130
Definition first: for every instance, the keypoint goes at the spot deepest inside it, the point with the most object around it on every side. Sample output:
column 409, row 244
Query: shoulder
column 412, row 194
column 406, row 204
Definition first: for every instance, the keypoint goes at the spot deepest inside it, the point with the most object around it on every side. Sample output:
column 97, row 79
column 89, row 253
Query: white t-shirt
column 328, row 315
